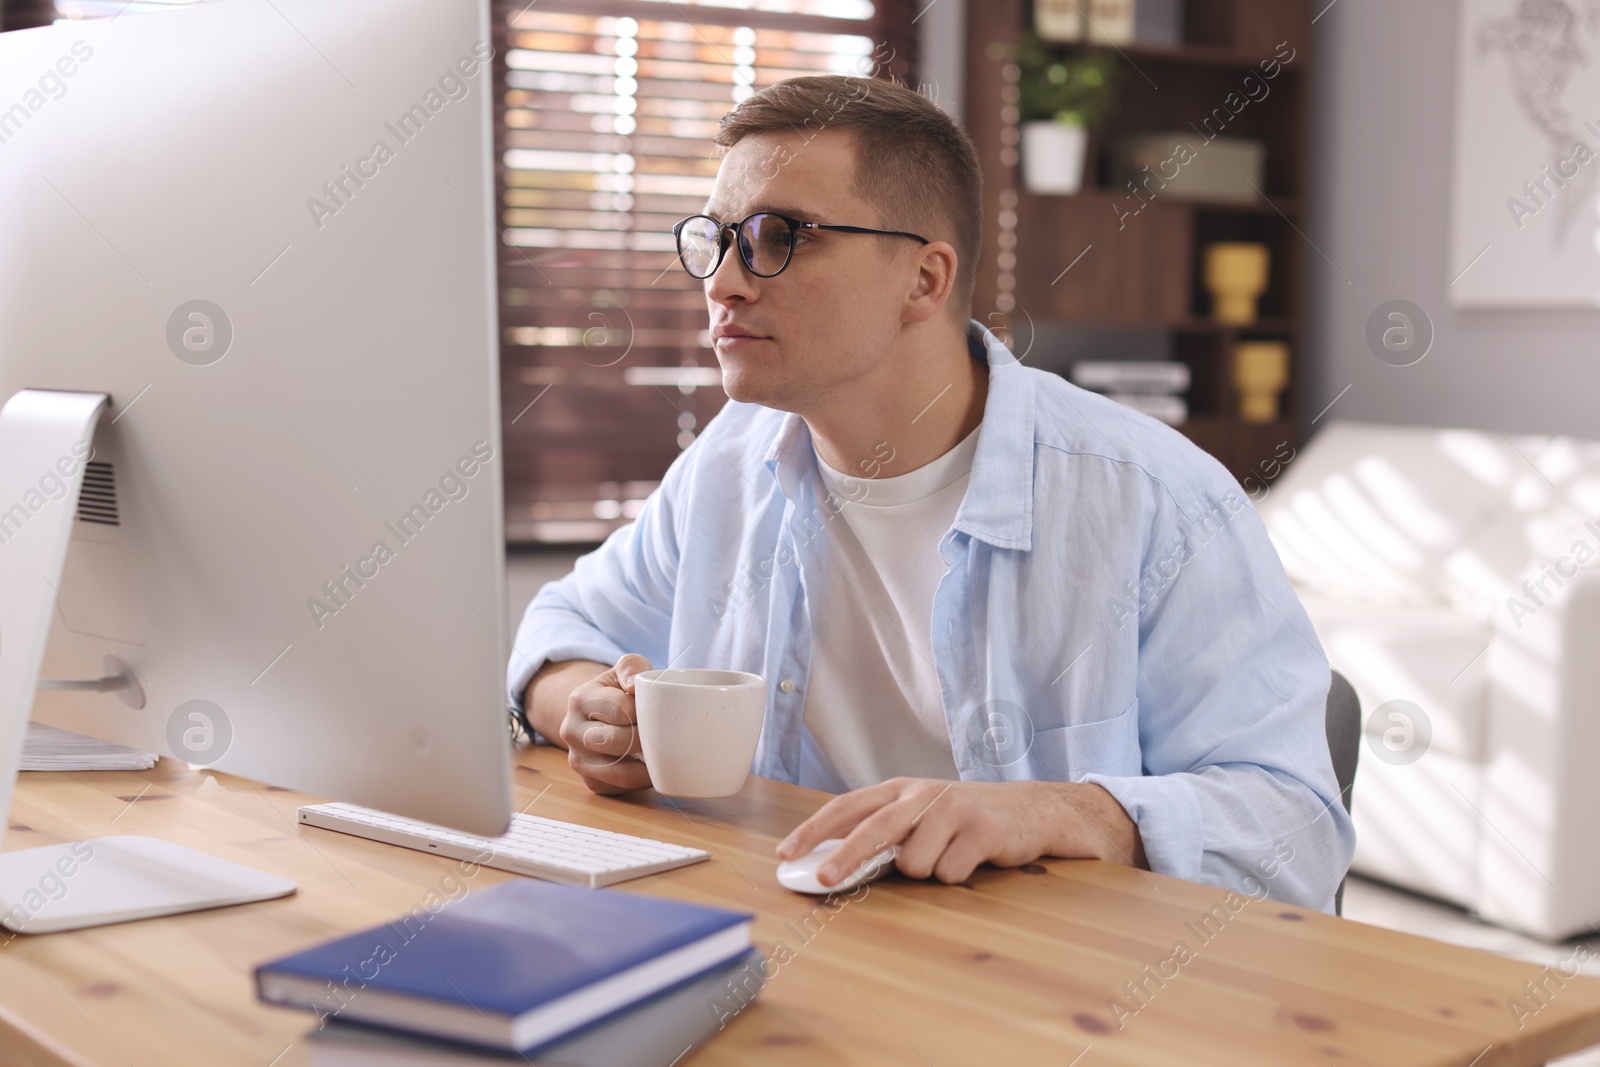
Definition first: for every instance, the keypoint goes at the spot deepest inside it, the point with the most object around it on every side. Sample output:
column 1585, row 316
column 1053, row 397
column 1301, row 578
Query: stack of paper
column 50, row 749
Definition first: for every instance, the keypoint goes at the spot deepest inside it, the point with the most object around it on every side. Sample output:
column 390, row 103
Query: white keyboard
column 540, row 848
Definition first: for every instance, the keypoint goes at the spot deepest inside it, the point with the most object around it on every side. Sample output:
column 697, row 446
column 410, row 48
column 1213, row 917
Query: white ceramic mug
column 699, row 728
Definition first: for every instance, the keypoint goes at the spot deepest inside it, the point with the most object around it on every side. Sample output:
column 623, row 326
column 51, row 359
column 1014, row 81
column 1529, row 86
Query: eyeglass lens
column 764, row 244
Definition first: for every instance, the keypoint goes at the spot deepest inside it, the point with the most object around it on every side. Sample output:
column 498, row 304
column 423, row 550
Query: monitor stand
column 44, row 435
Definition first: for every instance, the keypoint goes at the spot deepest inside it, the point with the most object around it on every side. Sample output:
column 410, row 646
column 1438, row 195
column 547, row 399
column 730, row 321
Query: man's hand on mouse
column 599, row 732
column 946, row 829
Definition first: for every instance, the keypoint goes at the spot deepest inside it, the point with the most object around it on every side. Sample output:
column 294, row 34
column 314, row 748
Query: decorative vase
column 1053, row 156
column 1236, row 274
column 1260, row 373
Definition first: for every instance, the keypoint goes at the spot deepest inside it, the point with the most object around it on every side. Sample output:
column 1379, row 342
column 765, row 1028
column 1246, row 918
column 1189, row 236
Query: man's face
column 832, row 314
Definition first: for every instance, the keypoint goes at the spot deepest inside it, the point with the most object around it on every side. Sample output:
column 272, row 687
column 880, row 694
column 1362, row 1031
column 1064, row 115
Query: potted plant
column 1061, row 95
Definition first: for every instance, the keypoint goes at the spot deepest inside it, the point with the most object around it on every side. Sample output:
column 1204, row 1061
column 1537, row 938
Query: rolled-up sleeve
column 618, row 598
column 1239, row 789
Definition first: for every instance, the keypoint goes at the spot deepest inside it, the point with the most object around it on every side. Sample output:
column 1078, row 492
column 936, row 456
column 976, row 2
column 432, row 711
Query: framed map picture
column 1526, row 214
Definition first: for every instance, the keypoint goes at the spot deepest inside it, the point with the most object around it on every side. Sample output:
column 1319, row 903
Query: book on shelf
column 1058, row 20
column 1131, row 376
column 1110, row 22
column 516, row 966
column 1158, row 22
column 1185, row 165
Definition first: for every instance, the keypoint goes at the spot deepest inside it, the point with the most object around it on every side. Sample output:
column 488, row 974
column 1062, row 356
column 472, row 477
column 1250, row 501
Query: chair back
column 1344, row 745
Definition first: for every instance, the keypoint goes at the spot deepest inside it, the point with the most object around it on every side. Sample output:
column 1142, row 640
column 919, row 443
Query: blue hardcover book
column 659, row 1032
column 516, row 966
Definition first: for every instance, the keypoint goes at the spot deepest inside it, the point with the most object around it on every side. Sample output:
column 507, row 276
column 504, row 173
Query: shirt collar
column 791, row 458
column 998, row 505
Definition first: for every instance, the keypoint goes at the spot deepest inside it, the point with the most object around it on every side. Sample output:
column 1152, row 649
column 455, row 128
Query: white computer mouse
column 801, row 875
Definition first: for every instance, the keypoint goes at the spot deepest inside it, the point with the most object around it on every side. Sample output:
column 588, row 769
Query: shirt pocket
column 1110, row 746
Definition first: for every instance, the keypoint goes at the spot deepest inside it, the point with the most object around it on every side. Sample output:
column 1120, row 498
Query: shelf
column 1269, row 328
column 1272, row 205
column 1208, row 423
column 1198, row 54
column 1275, row 327
column 1103, row 260
column 1288, row 206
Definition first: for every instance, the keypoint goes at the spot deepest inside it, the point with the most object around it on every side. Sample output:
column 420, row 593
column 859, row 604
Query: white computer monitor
column 263, row 229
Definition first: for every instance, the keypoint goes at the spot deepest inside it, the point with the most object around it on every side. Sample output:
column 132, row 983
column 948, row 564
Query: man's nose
column 731, row 280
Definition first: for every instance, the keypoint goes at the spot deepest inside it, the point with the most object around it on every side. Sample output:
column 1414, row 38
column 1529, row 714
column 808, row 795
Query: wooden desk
column 1018, row 966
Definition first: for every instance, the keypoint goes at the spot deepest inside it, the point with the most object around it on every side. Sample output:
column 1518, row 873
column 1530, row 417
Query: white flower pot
column 1053, row 157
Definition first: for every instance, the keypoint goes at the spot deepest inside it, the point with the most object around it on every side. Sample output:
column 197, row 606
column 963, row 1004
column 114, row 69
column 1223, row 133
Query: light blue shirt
column 1113, row 613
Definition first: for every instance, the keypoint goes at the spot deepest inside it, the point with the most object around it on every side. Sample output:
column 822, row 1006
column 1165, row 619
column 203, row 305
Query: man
column 1004, row 618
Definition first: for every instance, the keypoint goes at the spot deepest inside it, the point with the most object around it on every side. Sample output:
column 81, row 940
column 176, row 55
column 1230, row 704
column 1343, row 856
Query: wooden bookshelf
column 1143, row 270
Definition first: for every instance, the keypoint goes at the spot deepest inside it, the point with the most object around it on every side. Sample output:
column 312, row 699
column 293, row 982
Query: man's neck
column 915, row 406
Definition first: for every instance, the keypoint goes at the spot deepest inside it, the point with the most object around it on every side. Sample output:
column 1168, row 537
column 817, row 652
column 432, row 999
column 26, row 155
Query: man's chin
column 752, row 387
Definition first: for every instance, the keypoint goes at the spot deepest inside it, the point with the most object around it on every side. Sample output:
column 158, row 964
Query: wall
column 942, row 52
column 1383, row 134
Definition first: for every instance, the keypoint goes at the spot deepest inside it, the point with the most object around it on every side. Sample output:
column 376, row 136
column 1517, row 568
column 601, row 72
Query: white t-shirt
column 873, row 708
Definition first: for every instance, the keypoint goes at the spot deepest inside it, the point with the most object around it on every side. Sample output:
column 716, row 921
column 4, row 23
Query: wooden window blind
column 604, row 125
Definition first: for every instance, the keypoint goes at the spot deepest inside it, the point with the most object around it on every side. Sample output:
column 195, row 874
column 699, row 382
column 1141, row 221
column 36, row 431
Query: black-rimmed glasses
column 766, row 241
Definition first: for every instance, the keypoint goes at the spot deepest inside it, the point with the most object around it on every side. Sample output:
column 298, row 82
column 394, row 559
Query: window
column 608, row 109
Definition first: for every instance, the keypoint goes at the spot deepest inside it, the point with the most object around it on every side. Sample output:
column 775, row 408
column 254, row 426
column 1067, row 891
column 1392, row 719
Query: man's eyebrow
column 804, row 214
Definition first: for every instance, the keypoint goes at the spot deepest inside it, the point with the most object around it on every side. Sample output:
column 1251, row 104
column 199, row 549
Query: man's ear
column 934, row 282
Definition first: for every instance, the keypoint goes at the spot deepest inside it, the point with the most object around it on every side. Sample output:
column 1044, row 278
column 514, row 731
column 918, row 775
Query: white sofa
column 1459, row 571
